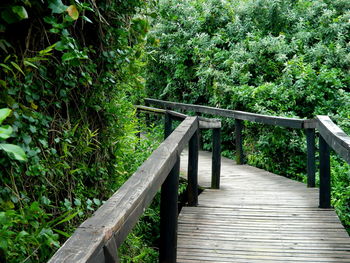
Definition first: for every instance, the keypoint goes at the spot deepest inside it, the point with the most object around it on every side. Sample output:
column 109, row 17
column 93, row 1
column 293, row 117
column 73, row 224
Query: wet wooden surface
column 257, row 216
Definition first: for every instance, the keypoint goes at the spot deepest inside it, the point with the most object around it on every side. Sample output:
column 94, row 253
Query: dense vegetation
column 282, row 57
column 70, row 72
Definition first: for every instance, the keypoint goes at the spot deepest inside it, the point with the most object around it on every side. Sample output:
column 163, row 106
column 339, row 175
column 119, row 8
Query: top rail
column 335, row 137
column 97, row 239
column 240, row 115
column 204, row 123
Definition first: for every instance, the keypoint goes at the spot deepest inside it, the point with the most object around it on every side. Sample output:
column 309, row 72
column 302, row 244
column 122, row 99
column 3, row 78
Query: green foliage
column 70, row 72
column 5, row 133
column 281, row 57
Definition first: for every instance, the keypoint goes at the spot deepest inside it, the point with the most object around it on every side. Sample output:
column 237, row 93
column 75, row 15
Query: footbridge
column 244, row 214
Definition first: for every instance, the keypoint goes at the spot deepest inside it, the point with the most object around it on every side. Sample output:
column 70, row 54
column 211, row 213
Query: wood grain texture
column 338, row 140
column 241, row 115
column 257, row 216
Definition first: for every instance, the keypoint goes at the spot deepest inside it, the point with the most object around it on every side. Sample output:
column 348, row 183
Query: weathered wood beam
column 335, row 137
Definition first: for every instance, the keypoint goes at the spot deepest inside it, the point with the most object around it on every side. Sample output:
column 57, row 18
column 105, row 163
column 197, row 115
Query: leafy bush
column 281, row 57
column 70, row 72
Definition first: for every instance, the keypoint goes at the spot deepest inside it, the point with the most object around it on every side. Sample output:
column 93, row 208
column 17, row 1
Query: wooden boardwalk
column 257, row 216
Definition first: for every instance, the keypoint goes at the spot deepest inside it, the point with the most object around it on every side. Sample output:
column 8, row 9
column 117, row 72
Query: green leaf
column 15, row 150
column 8, row 16
column 57, row 6
column 5, row 131
column 30, row 64
column 68, row 56
column 73, row 12
column 4, row 113
column 65, row 234
column 15, row 65
column 87, row 19
column 5, row 66
column 69, row 217
column 20, row 11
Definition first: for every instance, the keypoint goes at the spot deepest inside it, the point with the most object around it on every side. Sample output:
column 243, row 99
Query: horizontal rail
column 270, row 120
column 204, row 123
column 240, row 115
column 96, row 239
column 335, row 137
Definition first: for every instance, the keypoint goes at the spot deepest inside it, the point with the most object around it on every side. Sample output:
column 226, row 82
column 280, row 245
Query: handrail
column 204, row 123
column 330, row 136
column 240, row 115
column 335, row 137
column 97, row 239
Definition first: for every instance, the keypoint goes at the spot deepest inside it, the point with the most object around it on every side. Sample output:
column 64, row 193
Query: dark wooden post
column 168, row 125
column 168, row 216
column 216, row 159
column 310, row 139
column 239, row 141
column 110, row 251
column 192, row 175
column 147, row 116
column 325, row 175
column 138, row 116
column 200, row 137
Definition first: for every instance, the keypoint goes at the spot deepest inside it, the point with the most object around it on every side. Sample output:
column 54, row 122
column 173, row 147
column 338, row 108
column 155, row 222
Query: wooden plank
column 150, row 109
column 257, row 216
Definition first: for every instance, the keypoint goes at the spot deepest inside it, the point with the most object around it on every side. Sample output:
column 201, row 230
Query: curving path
column 257, row 216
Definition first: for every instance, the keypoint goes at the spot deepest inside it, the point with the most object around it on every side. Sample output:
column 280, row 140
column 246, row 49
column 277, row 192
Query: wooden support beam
column 325, row 175
column 110, row 251
column 216, row 159
column 239, row 141
column 168, row 216
column 192, row 175
column 310, row 139
column 168, row 125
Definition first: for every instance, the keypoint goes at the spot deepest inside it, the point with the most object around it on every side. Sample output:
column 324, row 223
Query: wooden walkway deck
column 257, row 216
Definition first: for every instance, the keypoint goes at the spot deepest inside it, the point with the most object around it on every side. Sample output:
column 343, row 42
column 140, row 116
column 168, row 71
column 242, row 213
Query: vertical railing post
column 147, row 116
column 310, row 140
column 239, row 141
column 216, row 159
column 138, row 116
column 200, row 137
column 325, row 175
column 110, row 251
column 168, row 216
column 168, row 125
column 192, row 175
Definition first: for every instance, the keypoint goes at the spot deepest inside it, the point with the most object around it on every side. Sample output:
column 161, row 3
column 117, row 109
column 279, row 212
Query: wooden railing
column 330, row 135
column 98, row 238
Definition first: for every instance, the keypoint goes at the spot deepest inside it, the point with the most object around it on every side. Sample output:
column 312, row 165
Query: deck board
column 257, row 216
